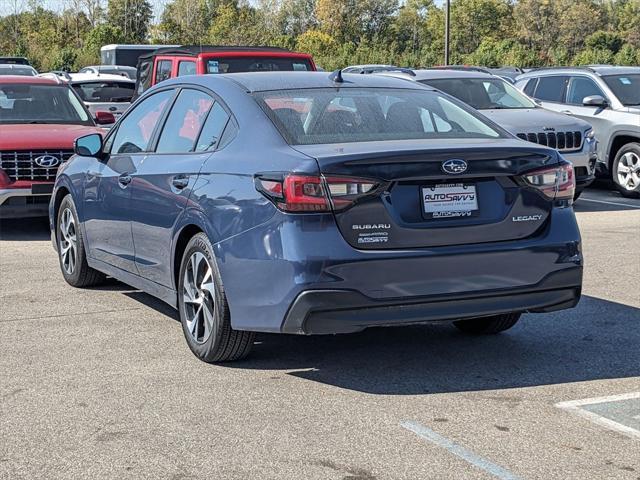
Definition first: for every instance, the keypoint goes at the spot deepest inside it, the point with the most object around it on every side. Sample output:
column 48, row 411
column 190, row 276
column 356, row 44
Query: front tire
column 204, row 312
column 71, row 252
column 488, row 325
column 625, row 170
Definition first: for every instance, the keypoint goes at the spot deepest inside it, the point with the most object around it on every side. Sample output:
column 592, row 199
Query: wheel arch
column 617, row 142
column 180, row 244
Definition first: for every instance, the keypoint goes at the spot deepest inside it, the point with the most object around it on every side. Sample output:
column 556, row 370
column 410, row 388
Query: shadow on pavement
column 597, row 340
column 25, row 229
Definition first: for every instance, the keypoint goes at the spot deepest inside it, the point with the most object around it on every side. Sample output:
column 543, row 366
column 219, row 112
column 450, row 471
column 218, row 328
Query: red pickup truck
column 172, row 62
column 40, row 118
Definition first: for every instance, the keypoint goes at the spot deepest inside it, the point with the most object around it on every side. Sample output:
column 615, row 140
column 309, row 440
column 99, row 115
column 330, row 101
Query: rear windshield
column 102, row 91
column 625, row 87
column 20, row 103
column 483, row 93
column 257, row 64
column 314, row 116
column 17, row 70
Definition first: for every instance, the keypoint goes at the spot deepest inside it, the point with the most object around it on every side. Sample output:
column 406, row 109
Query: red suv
column 40, row 118
column 172, row 62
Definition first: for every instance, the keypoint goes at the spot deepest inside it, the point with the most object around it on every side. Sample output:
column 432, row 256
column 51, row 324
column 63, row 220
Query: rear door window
column 186, row 67
column 163, row 70
column 530, row 87
column 184, row 122
column 210, row 136
column 551, row 89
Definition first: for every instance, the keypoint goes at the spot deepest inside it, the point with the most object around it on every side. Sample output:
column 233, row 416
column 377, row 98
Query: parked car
column 376, row 202
column 371, row 68
column 17, row 69
column 100, row 92
column 126, row 54
column 15, row 60
column 122, row 70
column 39, row 120
column 609, row 99
column 497, row 99
column 166, row 63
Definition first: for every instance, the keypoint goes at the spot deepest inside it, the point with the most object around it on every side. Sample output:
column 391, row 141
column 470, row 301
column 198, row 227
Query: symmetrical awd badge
column 454, row 166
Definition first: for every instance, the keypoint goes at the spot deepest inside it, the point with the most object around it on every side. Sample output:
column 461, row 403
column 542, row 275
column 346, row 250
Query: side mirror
column 595, row 101
column 89, row 145
column 105, row 118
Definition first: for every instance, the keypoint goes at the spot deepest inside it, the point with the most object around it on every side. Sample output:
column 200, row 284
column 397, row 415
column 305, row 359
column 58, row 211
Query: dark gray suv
column 607, row 97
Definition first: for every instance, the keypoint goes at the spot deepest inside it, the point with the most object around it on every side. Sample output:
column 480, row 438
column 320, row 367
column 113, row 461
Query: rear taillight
column 305, row 193
column 555, row 183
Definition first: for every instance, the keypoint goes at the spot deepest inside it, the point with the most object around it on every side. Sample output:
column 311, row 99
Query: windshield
column 314, row 116
column 625, row 87
column 22, row 103
column 104, row 91
column 257, row 64
column 483, row 93
column 16, row 70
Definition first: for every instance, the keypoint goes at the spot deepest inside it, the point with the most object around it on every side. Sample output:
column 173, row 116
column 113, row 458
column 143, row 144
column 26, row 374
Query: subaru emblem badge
column 454, row 166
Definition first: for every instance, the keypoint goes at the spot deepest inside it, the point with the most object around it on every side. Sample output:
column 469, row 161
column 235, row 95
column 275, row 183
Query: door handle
column 124, row 180
column 180, row 181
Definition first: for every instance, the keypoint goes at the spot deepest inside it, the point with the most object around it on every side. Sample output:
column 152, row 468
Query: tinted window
column 135, row 130
column 230, row 132
column 322, row 115
column 186, row 68
column 144, row 79
column 210, row 136
column 625, row 87
column 163, row 70
column 16, row 70
column 482, row 93
column 580, row 87
column 104, row 91
column 184, row 122
column 256, row 64
column 530, row 87
column 22, row 103
column 551, row 89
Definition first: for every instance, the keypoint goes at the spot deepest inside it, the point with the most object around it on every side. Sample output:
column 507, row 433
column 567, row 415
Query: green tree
column 133, row 17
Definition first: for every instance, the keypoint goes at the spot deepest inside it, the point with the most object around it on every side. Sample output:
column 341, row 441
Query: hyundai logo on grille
column 454, row 166
column 47, row 161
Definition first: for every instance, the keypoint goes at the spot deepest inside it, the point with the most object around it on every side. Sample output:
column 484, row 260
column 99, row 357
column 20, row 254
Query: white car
column 100, row 92
column 17, row 69
column 122, row 70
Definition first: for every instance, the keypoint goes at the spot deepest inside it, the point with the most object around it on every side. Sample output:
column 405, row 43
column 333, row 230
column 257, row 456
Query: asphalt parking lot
column 99, row 383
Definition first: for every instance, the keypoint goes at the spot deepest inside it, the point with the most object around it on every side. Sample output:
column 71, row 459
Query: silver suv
column 500, row 101
column 609, row 99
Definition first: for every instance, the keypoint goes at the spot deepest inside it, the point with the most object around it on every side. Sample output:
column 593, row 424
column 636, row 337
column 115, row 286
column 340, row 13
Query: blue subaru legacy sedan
column 316, row 203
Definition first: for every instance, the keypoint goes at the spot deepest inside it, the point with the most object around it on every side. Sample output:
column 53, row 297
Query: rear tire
column 203, row 307
column 488, row 325
column 625, row 171
column 71, row 252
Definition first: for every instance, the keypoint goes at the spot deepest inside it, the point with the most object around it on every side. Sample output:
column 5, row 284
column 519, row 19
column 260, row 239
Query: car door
column 163, row 180
column 107, row 193
column 581, row 86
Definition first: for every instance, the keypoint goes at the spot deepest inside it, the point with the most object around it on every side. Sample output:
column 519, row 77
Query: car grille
column 563, row 141
column 21, row 165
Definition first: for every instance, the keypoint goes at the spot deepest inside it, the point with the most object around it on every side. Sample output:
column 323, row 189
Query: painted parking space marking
column 617, row 204
column 458, row 450
column 616, row 412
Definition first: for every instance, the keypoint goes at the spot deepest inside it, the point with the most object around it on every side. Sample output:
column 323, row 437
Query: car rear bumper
column 343, row 311
column 584, row 164
column 284, row 276
column 22, row 203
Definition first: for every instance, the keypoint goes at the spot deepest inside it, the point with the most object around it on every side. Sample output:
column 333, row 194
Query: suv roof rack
column 55, row 75
column 468, row 68
column 588, row 68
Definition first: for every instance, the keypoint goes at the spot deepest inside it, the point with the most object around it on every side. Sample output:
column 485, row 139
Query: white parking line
column 574, row 406
column 582, row 199
column 472, row 458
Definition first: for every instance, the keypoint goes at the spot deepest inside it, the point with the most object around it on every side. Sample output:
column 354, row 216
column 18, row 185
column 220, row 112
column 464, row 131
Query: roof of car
column 193, row 50
column 265, row 81
column 602, row 70
column 92, row 77
column 435, row 74
column 12, row 79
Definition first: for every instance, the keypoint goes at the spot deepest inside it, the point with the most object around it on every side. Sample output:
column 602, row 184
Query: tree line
column 523, row 33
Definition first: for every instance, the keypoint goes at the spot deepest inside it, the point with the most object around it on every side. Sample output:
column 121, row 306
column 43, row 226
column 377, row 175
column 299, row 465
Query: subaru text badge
column 454, row 166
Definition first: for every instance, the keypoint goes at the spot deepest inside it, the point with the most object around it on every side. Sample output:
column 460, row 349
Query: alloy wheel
column 628, row 171
column 198, row 293
column 68, row 241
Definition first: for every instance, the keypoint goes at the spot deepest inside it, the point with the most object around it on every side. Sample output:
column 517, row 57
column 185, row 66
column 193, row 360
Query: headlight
column 589, row 134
